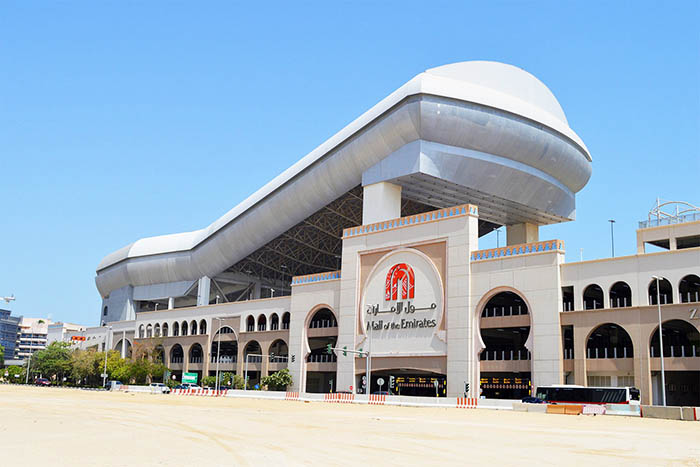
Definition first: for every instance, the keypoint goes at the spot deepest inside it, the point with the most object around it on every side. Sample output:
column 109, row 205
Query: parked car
column 113, row 385
column 159, row 388
column 42, row 382
column 191, row 386
column 532, row 400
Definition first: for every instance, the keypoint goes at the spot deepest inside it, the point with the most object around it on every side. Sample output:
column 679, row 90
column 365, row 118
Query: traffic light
column 329, row 349
column 391, row 382
column 293, row 358
column 360, row 350
column 345, row 351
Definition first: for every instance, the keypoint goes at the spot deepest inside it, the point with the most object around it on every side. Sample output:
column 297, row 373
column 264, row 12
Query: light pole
column 612, row 236
column 661, row 340
column 29, row 364
column 218, row 349
column 104, row 372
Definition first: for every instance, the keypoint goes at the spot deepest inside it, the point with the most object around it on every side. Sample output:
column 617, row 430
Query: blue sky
column 120, row 120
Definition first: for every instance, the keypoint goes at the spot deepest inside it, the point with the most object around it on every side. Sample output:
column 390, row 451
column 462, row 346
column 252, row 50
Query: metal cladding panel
column 434, row 107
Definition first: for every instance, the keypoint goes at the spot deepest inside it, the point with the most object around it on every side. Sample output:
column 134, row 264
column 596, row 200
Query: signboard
column 402, row 305
column 77, row 338
column 189, row 378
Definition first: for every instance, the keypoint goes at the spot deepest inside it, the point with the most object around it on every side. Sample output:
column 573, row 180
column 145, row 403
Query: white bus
column 574, row 394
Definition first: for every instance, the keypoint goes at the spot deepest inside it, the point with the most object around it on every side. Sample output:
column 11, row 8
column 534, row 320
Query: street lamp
column 612, row 236
column 661, row 339
column 218, row 349
column 104, row 373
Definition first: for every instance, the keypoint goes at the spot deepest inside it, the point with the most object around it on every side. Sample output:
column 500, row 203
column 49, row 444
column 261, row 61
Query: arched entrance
column 227, row 354
column 119, row 346
column 321, row 331
column 505, row 365
column 609, row 357
column 681, row 352
column 253, row 361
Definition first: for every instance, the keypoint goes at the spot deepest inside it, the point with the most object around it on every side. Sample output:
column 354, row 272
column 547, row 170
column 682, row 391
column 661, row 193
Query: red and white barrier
column 377, row 399
column 291, row 396
column 199, row 392
column 466, row 402
column 339, row 397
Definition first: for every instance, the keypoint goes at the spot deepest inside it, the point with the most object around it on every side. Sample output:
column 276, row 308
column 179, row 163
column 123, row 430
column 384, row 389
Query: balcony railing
column 677, row 351
column 568, row 354
column 176, row 360
column 608, row 352
column 323, row 323
column 690, row 297
column 693, row 216
column 497, row 311
column 521, row 354
column 225, row 359
column 196, row 359
column 322, row 358
column 254, row 359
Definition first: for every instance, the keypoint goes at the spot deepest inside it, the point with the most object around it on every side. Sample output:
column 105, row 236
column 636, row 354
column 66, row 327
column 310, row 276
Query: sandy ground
column 52, row 426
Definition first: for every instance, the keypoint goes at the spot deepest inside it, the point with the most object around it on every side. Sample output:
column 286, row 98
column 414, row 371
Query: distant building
column 33, row 334
column 9, row 328
column 63, row 332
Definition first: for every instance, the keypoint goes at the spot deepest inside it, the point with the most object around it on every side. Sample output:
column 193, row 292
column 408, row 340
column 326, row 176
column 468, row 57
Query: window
column 104, row 312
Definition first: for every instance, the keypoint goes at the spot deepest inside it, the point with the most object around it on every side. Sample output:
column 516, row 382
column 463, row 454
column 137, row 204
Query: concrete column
column 462, row 363
column 580, row 339
column 380, row 202
column 672, row 243
column 256, row 290
column 522, row 233
column 123, row 344
column 185, row 359
column 203, row 288
column 207, row 357
column 240, row 364
column 171, row 303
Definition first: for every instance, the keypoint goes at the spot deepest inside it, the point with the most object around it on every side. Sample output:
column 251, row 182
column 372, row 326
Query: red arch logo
column 400, row 273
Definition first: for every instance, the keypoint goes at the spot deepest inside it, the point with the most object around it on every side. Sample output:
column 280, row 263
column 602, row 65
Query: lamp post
column 29, row 363
column 218, row 351
column 661, row 340
column 612, row 236
column 104, row 372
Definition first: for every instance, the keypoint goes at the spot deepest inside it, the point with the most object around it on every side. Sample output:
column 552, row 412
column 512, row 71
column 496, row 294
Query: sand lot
column 40, row 426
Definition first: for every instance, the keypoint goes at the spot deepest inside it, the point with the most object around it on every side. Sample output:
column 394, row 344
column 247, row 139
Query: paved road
column 45, row 426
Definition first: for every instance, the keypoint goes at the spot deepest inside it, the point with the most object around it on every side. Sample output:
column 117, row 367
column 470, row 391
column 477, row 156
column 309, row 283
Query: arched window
column 193, row 328
column 156, row 330
column 620, row 295
column 183, row 328
column 285, row 320
column 149, row 331
column 141, row 332
column 504, row 304
column 176, row 354
column 202, row 327
column 274, row 322
column 665, row 292
column 681, row 339
column 176, row 329
column 323, row 318
column 278, row 351
column 262, row 323
column 250, row 324
column 196, row 353
column 592, row 297
column 609, row 341
column 165, row 329
column 689, row 289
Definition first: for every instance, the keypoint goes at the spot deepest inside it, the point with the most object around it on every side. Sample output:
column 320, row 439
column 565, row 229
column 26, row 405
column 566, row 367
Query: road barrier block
column 377, row 399
column 291, row 396
column 467, row 402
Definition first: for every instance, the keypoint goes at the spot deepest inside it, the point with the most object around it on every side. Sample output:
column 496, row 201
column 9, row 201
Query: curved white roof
column 496, row 85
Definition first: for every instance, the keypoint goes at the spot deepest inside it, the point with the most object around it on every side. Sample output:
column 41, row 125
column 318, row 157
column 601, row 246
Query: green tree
column 278, row 381
column 209, row 381
column 52, row 362
column 2, row 356
column 15, row 374
column 85, row 366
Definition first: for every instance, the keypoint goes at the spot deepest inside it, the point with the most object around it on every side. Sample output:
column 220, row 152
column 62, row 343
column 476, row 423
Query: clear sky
column 120, row 120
